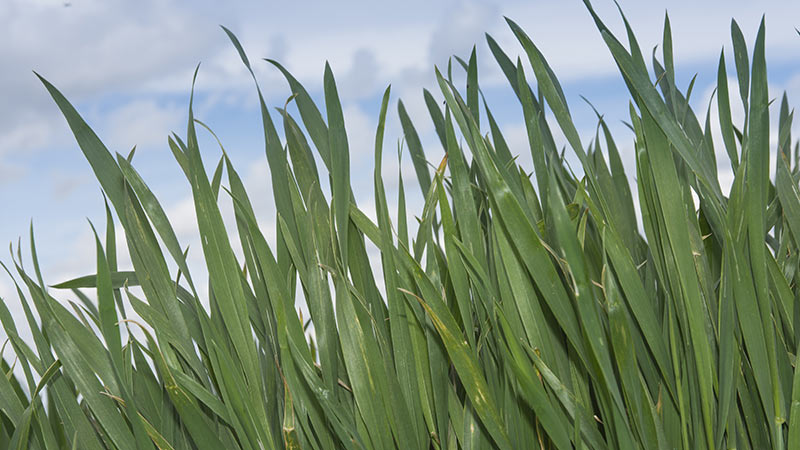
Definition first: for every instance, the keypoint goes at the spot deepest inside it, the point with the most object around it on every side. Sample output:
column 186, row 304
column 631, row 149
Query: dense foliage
column 526, row 312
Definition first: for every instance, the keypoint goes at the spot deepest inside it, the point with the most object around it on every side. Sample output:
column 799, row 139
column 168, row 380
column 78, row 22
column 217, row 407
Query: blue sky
column 127, row 67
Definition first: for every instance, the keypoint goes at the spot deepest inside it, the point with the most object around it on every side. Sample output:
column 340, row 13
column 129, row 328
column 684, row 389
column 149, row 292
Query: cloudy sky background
column 127, row 68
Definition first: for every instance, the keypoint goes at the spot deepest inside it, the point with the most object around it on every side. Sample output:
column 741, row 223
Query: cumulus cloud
column 460, row 29
column 361, row 79
column 142, row 123
column 95, row 50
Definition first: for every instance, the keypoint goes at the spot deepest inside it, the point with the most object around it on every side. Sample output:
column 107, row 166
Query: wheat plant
column 524, row 310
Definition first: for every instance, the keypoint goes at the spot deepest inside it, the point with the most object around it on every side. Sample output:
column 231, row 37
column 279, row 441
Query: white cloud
column 460, row 29
column 361, row 79
column 141, row 123
column 361, row 128
column 89, row 51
